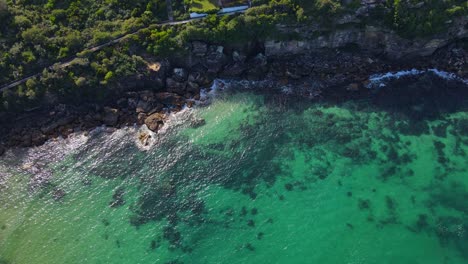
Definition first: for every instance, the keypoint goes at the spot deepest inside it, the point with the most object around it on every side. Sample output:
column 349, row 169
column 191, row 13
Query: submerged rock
column 250, row 247
column 260, row 235
column 364, row 204
column 58, row 194
column 117, row 198
column 195, row 123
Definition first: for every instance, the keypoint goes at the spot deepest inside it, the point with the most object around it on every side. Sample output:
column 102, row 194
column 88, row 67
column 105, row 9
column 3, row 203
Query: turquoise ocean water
column 264, row 180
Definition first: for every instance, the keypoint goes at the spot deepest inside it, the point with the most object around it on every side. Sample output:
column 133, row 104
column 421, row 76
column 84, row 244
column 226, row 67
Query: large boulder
column 215, row 59
column 199, row 78
column 199, row 48
column 238, row 57
column 49, row 128
column 145, row 102
column 143, row 106
column 180, row 74
column 193, row 87
column 110, row 116
column 155, row 121
column 234, row 69
column 37, row 138
column 170, row 99
column 258, row 66
column 174, row 86
column 25, row 140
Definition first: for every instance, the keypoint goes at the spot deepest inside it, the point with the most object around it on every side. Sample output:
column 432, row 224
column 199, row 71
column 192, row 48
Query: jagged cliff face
column 375, row 40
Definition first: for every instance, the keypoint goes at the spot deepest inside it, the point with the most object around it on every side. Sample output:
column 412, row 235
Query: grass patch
column 204, row 6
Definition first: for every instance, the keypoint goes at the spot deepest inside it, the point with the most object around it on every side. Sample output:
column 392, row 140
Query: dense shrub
column 422, row 18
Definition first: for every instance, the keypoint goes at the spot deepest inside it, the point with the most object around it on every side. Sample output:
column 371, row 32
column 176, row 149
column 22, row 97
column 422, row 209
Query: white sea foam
column 379, row 80
column 448, row 75
column 207, row 94
column 36, row 161
column 176, row 120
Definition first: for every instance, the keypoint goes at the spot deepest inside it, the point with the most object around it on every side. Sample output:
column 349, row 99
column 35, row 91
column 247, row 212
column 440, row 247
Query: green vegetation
column 204, row 6
column 35, row 34
column 421, row 18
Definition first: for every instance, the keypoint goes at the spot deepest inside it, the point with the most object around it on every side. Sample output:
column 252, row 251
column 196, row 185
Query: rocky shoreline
column 172, row 85
column 320, row 62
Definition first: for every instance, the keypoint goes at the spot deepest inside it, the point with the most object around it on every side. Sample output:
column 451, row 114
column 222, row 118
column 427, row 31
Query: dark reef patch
column 249, row 247
column 175, row 191
column 260, row 235
column 461, row 127
column 254, row 211
column 364, row 204
column 440, row 130
column 289, row 187
column 420, row 225
column 173, row 236
column 155, row 244
column 453, row 195
column 118, row 198
column 105, row 222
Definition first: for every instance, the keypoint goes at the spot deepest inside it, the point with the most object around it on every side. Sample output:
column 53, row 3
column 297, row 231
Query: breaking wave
column 380, row 80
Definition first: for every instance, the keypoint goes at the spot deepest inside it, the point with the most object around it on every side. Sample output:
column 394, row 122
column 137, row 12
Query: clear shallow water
column 265, row 180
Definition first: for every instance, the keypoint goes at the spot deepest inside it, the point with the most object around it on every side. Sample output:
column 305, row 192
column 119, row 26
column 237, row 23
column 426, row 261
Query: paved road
column 67, row 62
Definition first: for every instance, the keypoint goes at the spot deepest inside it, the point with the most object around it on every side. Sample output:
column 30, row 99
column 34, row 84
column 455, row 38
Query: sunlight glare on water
column 258, row 182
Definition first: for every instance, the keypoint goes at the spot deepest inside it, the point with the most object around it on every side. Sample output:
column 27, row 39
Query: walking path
column 67, row 62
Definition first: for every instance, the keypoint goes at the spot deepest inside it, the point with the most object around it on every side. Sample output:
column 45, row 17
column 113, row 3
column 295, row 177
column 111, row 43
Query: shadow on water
column 173, row 193
column 420, row 98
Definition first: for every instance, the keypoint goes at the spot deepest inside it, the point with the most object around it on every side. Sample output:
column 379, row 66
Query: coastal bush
column 162, row 42
column 422, row 18
column 50, row 30
column 260, row 21
column 319, row 10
